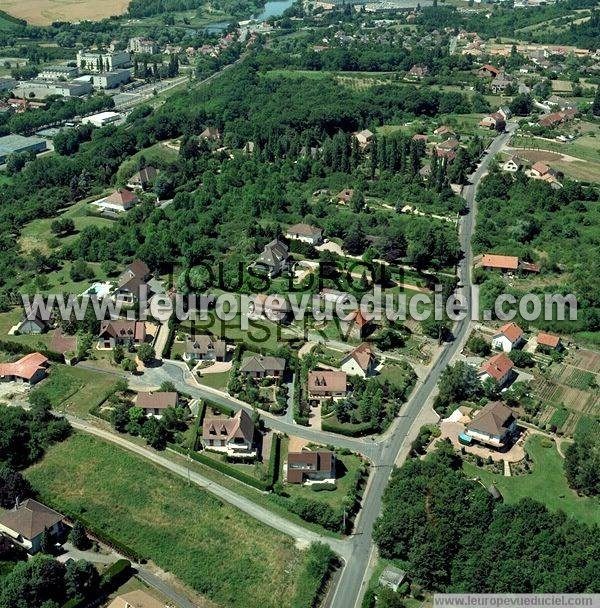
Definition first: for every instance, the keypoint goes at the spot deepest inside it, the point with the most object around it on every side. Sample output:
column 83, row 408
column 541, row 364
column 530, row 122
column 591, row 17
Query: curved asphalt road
column 355, row 575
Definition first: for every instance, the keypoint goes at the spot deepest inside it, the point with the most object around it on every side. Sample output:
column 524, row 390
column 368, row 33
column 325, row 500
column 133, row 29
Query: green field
column 10, row 319
column 37, row 233
column 546, row 483
column 218, row 381
column 74, row 390
column 210, row 546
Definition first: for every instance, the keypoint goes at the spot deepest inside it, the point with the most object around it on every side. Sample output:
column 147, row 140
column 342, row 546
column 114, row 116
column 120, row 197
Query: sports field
column 44, row 12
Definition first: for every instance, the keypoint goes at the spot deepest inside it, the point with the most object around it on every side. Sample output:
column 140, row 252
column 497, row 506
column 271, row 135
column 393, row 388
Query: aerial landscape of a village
column 299, row 303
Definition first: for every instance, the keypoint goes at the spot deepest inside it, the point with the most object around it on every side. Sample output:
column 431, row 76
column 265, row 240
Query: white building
column 305, row 233
column 101, row 119
column 56, row 72
column 102, row 61
column 111, row 80
column 40, row 89
column 142, row 45
column 509, row 336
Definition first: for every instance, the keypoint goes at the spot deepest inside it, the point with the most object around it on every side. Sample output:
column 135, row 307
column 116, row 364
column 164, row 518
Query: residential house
column 494, row 425
column 234, row 436
column 548, row 342
column 449, row 144
column 357, row 324
column 513, row 164
column 305, row 233
column 545, row 173
column 125, row 333
column 310, row 466
column 447, row 155
column 500, row 83
column 327, row 385
column 154, row 404
column 119, row 201
column 509, row 336
column 444, row 131
column 364, row 138
column 498, row 368
column 132, row 284
column 204, row 348
column 418, row 71
column 392, row 578
column 143, row 178
column 360, row 362
column 420, row 137
column 272, row 307
column 505, row 111
column 211, row 133
column 556, row 118
column 345, row 195
column 504, row 263
column 30, row 369
column 26, row 523
column 65, row 345
column 274, row 258
column 33, row 324
column 489, row 71
column 494, row 121
column 261, row 366
column 136, row 599
column 561, row 102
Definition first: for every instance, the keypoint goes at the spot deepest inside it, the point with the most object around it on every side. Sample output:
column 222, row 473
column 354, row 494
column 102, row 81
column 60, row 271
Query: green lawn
column 75, row 390
column 547, row 483
column 348, row 465
column 156, row 155
column 10, row 319
column 218, row 381
column 212, row 547
column 37, row 233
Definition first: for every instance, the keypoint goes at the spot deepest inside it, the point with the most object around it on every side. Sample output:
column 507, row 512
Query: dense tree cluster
column 25, row 435
column 454, row 538
column 46, row 583
column 582, row 459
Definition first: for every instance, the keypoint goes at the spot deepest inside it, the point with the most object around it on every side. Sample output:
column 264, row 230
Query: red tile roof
column 326, row 382
column 359, row 317
column 550, row 340
column 160, row 400
column 491, row 260
column 512, row 331
column 497, row 367
column 26, row 367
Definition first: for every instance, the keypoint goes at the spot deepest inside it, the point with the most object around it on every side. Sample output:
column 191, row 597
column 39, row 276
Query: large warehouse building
column 13, row 144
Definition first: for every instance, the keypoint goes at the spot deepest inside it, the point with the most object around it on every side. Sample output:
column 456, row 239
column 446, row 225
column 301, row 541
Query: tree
column 146, row 353
column 13, row 487
column 63, row 226
column 129, row 365
column 80, row 271
column 582, row 460
column 118, row 354
column 81, row 579
column 479, row 346
column 168, row 387
column 47, row 542
column 78, row 537
column 155, row 433
column 40, row 404
column 596, row 103
column 521, row 105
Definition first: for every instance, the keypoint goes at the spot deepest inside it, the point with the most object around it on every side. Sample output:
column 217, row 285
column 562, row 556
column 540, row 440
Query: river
column 273, row 8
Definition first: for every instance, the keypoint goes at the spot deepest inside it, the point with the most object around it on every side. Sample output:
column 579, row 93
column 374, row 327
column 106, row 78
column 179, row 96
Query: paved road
column 301, row 534
column 355, row 575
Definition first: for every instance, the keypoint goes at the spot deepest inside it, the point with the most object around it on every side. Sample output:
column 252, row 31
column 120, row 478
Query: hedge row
column 95, row 411
column 106, row 539
column 356, row 430
column 320, row 561
column 224, row 468
column 16, row 348
column 274, row 459
column 166, row 351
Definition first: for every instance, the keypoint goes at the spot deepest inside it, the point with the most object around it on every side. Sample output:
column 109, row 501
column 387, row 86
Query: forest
column 214, row 195
column 452, row 537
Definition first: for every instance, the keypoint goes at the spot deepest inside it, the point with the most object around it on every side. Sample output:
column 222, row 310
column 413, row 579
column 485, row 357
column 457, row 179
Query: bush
column 320, row 561
column 354, row 430
column 224, row 468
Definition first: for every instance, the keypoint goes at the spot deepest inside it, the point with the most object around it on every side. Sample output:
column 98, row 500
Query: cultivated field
column 569, row 390
column 44, row 12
